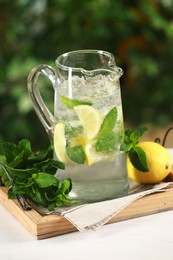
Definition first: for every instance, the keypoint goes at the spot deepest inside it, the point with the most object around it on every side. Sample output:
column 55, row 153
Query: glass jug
column 87, row 126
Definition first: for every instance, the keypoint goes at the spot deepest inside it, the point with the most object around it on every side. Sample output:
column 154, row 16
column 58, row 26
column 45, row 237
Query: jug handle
column 42, row 111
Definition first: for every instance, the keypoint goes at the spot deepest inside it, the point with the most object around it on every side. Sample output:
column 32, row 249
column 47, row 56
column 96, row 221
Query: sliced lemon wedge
column 92, row 155
column 90, row 119
column 60, row 142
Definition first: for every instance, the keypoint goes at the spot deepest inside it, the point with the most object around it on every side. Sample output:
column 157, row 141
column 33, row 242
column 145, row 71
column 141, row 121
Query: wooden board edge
column 46, row 226
column 147, row 205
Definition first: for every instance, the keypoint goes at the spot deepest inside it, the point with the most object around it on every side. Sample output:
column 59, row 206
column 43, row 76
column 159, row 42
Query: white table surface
column 149, row 237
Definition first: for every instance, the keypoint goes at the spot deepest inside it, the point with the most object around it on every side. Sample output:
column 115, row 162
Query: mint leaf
column 126, row 147
column 7, row 183
column 65, row 187
column 15, row 154
column 21, row 173
column 131, row 138
column 17, row 160
column 61, row 199
column 49, row 165
column 11, row 194
column 57, row 164
column 25, row 145
column 38, row 195
column 51, row 206
column 106, row 143
column 108, row 122
column 44, row 180
column 3, row 161
column 107, row 139
column 71, row 103
column 73, row 131
column 10, row 151
column 76, row 154
column 142, row 130
column 19, row 189
column 138, row 159
column 135, row 135
column 40, row 156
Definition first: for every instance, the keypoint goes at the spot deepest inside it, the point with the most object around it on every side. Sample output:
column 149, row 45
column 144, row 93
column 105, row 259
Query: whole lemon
column 159, row 164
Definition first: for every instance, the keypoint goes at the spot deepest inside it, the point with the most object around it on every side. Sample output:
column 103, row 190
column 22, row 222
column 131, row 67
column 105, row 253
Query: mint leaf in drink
column 73, row 131
column 138, row 159
column 108, row 122
column 106, row 142
column 71, row 103
column 76, row 154
column 107, row 139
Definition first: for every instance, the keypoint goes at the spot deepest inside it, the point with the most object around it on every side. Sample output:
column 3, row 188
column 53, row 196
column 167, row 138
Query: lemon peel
column 60, row 142
column 90, row 119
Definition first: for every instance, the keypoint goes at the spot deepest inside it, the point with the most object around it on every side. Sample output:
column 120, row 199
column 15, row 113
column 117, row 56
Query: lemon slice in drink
column 90, row 119
column 60, row 142
column 92, row 155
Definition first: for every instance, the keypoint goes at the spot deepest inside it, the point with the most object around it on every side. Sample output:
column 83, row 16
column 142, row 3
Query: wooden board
column 52, row 225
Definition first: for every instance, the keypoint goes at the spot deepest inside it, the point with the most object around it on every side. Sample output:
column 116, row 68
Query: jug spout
column 116, row 72
column 119, row 71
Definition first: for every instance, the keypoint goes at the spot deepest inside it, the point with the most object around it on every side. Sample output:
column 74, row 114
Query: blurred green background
column 138, row 33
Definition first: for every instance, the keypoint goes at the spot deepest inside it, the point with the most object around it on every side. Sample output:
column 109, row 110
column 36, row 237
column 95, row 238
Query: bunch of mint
column 32, row 175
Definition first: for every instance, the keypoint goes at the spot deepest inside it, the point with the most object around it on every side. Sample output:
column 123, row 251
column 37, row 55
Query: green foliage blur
column 138, row 33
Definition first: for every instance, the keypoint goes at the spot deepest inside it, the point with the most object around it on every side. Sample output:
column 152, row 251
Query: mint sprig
column 32, row 174
column 71, row 103
column 136, row 155
column 76, row 154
